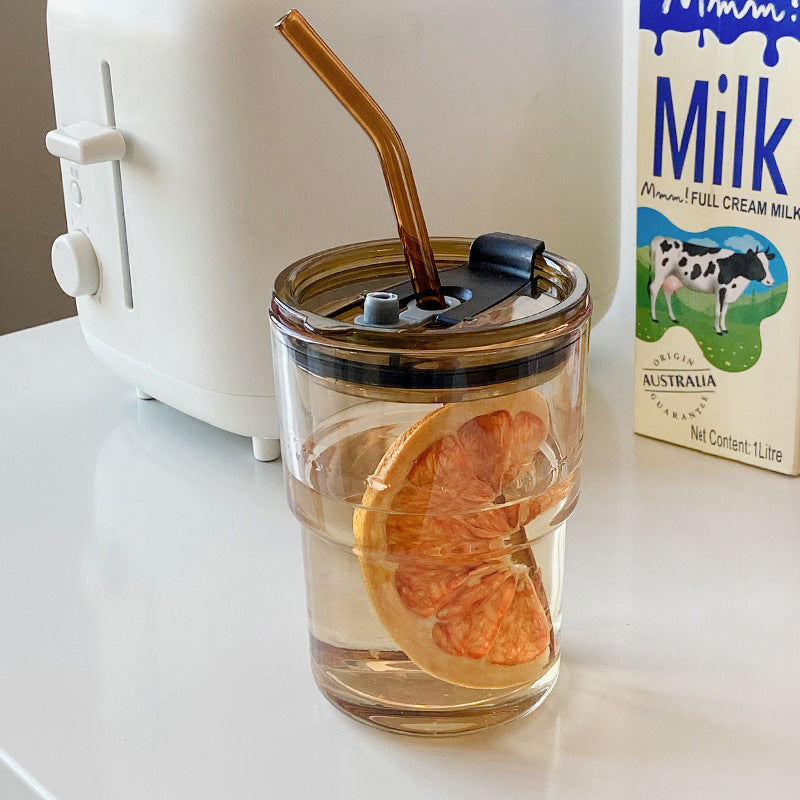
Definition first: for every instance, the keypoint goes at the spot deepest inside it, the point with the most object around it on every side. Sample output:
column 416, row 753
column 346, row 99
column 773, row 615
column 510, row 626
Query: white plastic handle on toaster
column 86, row 143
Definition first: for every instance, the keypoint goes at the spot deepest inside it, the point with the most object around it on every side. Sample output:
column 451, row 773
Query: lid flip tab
column 500, row 264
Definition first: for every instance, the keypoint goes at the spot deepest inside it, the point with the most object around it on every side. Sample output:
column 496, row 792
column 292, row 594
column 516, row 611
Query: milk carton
column 718, row 228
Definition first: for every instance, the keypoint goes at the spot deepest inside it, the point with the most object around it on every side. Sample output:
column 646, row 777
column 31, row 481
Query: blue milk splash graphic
column 726, row 19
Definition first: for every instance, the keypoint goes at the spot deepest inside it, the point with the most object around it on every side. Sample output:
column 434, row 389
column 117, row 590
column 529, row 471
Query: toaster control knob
column 75, row 264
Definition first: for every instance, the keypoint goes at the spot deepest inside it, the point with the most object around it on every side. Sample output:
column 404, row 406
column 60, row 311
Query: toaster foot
column 143, row 395
column 266, row 449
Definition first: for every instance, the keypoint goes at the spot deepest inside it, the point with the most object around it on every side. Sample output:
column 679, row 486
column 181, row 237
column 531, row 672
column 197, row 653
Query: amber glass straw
column 394, row 160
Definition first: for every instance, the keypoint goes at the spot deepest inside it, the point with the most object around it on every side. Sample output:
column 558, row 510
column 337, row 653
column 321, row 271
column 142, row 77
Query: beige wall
column 31, row 205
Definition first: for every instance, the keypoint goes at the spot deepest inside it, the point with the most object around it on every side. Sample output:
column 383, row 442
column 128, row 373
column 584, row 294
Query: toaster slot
column 119, row 205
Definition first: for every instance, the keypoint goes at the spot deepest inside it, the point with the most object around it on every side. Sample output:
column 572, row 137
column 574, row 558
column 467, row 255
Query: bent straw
column 394, row 160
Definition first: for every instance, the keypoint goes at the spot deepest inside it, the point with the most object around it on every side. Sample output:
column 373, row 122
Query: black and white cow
column 712, row 270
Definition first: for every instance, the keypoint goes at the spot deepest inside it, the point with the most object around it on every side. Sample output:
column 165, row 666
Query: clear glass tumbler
column 432, row 471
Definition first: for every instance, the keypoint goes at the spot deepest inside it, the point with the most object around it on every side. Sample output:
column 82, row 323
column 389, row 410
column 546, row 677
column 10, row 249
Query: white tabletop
column 152, row 617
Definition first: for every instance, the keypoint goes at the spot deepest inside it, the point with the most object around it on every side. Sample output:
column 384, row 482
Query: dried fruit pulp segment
column 441, row 512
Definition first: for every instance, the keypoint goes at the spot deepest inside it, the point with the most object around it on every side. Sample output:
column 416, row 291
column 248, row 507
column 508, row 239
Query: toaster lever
column 86, row 143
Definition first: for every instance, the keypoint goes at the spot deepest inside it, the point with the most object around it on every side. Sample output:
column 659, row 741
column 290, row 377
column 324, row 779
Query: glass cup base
column 372, row 686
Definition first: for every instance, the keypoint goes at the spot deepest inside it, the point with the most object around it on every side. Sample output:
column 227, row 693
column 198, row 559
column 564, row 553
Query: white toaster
column 200, row 156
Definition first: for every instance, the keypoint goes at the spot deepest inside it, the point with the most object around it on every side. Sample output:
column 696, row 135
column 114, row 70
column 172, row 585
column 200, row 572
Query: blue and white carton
column 718, row 228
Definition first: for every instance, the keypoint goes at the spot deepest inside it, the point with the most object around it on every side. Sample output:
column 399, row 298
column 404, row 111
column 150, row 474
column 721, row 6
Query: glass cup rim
column 293, row 286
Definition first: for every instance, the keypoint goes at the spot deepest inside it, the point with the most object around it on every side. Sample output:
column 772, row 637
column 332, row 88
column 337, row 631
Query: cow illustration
column 711, row 270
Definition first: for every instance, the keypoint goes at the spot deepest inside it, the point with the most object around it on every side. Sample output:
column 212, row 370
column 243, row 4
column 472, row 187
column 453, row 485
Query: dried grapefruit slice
column 435, row 540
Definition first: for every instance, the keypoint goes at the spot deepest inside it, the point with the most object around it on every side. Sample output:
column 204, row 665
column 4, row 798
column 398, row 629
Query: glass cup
column 432, row 471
